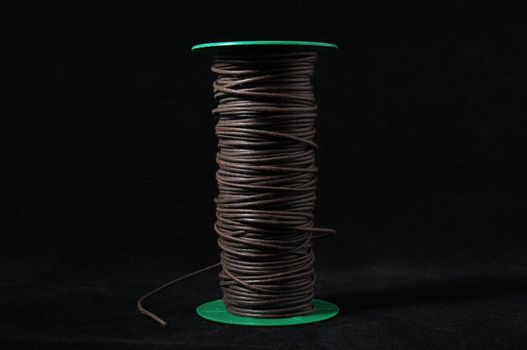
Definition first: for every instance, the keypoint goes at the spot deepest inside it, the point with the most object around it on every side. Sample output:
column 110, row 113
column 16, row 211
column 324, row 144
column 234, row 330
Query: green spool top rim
column 230, row 44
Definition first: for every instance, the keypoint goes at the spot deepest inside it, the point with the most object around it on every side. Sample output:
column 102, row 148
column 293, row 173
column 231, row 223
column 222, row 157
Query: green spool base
column 217, row 312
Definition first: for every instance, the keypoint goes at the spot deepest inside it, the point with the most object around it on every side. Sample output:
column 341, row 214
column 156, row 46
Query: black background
column 110, row 167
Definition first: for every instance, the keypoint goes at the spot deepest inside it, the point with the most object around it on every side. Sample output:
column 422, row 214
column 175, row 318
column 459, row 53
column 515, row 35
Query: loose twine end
column 152, row 315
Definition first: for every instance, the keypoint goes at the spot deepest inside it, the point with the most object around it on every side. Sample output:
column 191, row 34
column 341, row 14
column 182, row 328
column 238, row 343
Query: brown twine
column 267, row 181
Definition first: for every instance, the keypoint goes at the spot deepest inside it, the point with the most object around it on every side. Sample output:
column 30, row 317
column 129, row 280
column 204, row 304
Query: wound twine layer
column 267, row 181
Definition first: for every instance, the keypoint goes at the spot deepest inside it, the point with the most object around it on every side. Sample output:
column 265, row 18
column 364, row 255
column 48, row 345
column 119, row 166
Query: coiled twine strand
column 267, row 181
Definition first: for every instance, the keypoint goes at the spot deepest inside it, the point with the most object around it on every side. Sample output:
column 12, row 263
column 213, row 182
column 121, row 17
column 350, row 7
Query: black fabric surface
column 109, row 174
column 383, row 306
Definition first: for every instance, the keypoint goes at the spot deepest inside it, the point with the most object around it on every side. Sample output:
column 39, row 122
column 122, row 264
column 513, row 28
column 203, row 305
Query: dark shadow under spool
column 266, row 180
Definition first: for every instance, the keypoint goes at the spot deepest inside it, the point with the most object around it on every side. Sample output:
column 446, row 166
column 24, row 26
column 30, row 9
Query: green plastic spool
column 215, row 310
column 256, row 43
